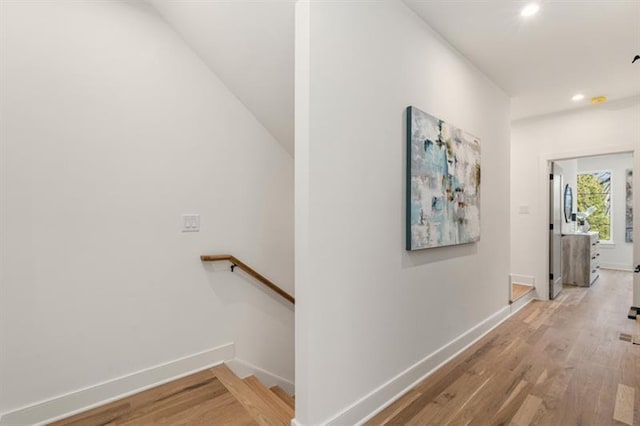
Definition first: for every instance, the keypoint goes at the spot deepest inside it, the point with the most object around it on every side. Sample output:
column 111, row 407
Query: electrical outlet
column 190, row 222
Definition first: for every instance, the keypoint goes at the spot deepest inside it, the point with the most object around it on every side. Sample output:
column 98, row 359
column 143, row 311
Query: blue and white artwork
column 443, row 183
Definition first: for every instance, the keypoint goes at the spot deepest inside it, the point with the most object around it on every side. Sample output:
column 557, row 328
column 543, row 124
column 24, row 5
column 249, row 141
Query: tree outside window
column 594, row 189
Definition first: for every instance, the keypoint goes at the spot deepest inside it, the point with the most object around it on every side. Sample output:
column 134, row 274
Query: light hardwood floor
column 552, row 363
column 211, row 397
column 555, row 363
column 519, row 290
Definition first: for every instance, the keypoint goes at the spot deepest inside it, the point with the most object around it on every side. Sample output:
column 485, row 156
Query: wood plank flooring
column 553, row 363
column 519, row 290
column 211, row 397
column 284, row 396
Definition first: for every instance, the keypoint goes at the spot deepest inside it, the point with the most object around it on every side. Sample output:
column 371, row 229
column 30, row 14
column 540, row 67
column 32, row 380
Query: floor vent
column 625, row 337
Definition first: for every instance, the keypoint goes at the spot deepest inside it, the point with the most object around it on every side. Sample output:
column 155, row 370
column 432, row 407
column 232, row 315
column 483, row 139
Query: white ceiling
column 249, row 45
column 569, row 47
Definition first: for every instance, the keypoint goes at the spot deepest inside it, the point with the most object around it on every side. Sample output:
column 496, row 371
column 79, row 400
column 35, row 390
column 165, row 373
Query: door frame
column 546, row 159
column 552, row 172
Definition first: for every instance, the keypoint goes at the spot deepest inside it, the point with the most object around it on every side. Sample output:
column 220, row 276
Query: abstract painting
column 443, row 183
column 628, row 230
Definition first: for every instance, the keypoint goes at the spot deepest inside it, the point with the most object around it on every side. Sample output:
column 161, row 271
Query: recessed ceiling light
column 530, row 10
column 577, row 97
column 598, row 99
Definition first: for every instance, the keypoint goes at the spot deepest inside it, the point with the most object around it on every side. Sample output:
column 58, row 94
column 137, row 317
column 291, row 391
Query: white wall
column 618, row 254
column 367, row 310
column 249, row 45
column 111, row 129
column 596, row 130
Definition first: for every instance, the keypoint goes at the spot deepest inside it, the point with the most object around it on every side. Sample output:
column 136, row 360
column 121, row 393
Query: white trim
column 588, row 152
column 102, row 393
column 522, row 302
column 545, row 160
column 244, row 369
column 377, row 400
column 522, row 279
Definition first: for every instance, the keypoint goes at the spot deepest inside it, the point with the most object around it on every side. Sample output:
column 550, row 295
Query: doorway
column 591, row 226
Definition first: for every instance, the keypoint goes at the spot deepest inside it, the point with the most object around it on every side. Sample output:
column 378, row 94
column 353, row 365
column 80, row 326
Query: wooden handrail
column 235, row 262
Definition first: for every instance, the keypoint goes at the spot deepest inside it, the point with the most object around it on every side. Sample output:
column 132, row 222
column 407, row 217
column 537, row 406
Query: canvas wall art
column 443, row 183
column 628, row 231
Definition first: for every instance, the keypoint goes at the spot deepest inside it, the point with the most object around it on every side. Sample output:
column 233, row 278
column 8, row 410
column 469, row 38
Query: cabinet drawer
column 580, row 258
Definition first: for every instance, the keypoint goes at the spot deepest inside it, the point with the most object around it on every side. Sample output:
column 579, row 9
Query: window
column 594, row 190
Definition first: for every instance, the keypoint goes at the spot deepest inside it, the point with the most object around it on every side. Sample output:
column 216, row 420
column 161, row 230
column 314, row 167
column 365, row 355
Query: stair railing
column 236, row 263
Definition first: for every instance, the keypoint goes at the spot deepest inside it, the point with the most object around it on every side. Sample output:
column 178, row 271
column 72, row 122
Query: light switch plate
column 190, row 222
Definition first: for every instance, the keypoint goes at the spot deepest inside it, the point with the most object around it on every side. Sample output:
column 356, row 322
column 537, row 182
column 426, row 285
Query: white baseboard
column 244, row 369
column 522, row 279
column 522, row 302
column 112, row 390
column 377, row 400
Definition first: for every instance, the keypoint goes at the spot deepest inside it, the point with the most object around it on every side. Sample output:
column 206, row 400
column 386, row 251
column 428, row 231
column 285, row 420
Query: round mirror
column 568, row 203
